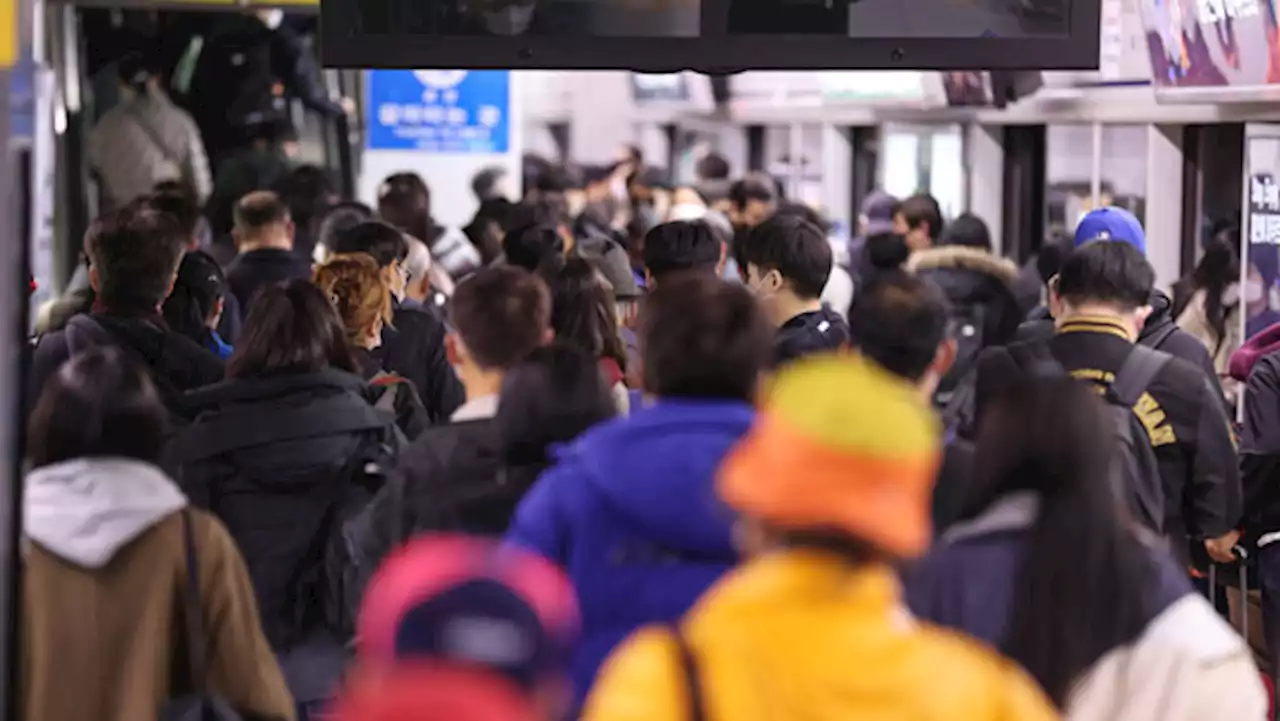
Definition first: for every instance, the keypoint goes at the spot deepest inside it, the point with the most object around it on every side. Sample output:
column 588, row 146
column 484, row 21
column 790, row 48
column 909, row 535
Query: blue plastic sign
column 439, row 111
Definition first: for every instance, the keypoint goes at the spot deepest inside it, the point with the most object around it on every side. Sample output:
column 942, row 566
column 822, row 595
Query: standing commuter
column 404, row 201
column 680, row 246
column 831, row 485
column 785, row 262
column 357, row 288
column 264, row 240
column 111, row 548
column 902, row 322
column 629, row 509
column 287, row 443
column 1100, row 301
column 584, row 315
column 1126, row 636
column 146, row 139
column 498, row 317
column 918, row 219
column 412, row 343
column 197, row 302
column 133, row 255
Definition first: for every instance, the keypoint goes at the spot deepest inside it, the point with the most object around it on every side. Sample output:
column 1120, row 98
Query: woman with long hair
column 404, row 201
column 358, row 290
column 584, row 315
column 289, row 444
column 1045, row 566
column 1212, row 314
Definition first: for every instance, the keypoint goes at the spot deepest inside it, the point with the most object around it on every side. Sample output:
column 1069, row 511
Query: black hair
column 547, row 399
column 484, row 184
column 291, row 329
column 533, row 246
column 379, row 240
column 756, row 187
column 886, row 251
column 1217, row 270
column 898, row 320
column 340, row 218
column 308, row 190
column 1052, row 437
column 804, row 212
column 488, row 226
column 712, row 166
column 583, row 310
column 199, row 287
column 134, row 252
column 921, row 209
column 404, row 201
column 181, row 205
column 501, row 314
column 681, row 245
column 1106, row 271
column 703, row 337
column 260, row 209
column 100, row 403
column 137, row 69
column 969, row 231
column 794, row 247
column 1052, row 253
column 549, row 208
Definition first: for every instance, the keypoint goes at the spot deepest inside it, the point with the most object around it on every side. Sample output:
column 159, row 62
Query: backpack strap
column 1136, row 373
column 1157, row 339
column 327, row 417
column 390, row 384
column 689, row 670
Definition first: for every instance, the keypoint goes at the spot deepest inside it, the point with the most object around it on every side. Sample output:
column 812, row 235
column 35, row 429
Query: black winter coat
column 414, row 348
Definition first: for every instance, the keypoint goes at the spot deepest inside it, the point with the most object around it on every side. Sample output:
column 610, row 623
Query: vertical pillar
column 837, row 175
column 984, row 170
column 1163, row 221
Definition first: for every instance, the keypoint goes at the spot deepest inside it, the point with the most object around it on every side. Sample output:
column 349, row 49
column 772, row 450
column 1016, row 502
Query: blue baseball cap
column 1111, row 223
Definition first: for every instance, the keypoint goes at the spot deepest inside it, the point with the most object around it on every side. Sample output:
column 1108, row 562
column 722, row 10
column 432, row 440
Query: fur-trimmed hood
column 960, row 257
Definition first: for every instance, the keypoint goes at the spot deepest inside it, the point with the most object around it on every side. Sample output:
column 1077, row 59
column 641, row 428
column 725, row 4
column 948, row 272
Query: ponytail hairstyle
column 189, row 309
column 355, row 286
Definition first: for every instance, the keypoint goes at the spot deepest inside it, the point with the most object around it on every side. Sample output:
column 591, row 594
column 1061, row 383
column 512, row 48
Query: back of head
column 486, row 184
column 100, row 404
column 680, row 246
column 182, row 207
column 582, row 310
column 899, row 320
column 199, row 287
column 886, row 251
column 920, row 211
column 968, row 231
column 806, row 212
column 1106, row 273
column 133, row 253
column 259, row 212
column 548, row 399
column 136, row 70
column 532, row 246
column 353, row 282
column 378, row 240
column 340, row 218
column 755, row 187
column 1052, row 253
column 712, row 166
column 1051, row 438
column 702, row 337
column 404, row 201
column 307, row 191
column 290, row 329
column 797, row 249
column 501, row 314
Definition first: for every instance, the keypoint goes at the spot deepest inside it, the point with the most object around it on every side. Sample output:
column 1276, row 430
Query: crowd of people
column 616, row 452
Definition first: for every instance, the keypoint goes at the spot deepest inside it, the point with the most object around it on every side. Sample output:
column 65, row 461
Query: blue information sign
column 439, row 111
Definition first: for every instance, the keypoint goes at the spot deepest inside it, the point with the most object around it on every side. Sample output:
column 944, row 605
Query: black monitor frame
column 715, row 51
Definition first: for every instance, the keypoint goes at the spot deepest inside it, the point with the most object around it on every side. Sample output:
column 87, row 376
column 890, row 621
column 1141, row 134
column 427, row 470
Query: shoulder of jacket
column 982, row 677
column 642, row 678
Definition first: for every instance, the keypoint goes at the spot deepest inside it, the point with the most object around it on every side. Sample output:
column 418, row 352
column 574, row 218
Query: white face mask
column 1253, row 291
column 512, row 20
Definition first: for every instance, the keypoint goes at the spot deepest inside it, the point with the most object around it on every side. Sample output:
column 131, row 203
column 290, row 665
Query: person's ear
column 215, row 316
column 648, row 279
column 1140, row 317
column 93, row 279
column 548, row 336
column 453, row 349
column 173, row 281
column 290, row 229
column 773, row 280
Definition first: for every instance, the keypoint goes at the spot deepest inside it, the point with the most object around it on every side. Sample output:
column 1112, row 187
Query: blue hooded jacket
column 631, row 514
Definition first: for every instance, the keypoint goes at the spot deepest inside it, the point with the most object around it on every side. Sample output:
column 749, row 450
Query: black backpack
column 316, row 592
column 1136, row 474
column 235, row 78
column 970, row 329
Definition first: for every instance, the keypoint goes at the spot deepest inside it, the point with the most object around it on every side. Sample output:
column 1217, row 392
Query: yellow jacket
column 802, row 635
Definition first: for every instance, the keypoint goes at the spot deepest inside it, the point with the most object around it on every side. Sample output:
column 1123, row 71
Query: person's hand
column 348, row 105
column 1220, row 548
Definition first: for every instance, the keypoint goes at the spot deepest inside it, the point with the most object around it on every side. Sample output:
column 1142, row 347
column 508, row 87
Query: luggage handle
column 1242, row 557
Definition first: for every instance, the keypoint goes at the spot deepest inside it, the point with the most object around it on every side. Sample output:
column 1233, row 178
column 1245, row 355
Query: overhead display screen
column 711, row 35
column 1212, row 44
